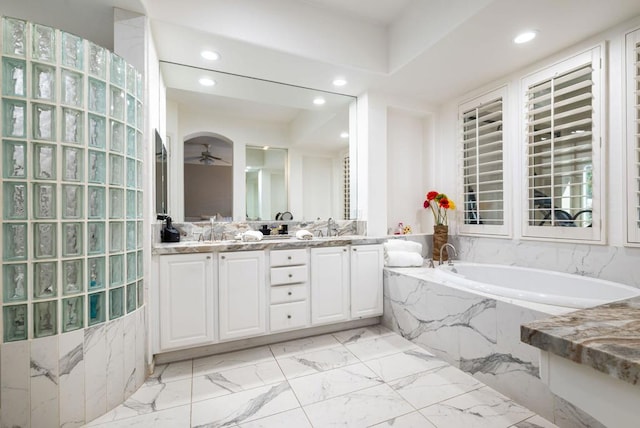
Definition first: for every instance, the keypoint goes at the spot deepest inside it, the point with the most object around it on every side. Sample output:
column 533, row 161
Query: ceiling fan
column 206, row 157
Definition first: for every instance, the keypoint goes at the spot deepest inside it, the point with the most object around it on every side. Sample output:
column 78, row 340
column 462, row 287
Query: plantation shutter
column 633, row 136
column 482, row 162
column 563, row 151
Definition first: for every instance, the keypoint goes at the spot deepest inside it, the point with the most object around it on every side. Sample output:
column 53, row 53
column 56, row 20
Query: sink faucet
column 455, row 253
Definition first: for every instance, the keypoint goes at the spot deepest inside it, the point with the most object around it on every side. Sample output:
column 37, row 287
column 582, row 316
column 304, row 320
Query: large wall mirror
column 249, row 149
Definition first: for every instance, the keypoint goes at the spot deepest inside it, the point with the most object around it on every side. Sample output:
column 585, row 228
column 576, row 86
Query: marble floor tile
column 316, row 361
column 358, row 409
column 410, row 420
column 426, row 388
column 169, row 372
column 225, row 382
column 380, row 347
column 534, row 422
column 244, row 406
column 332, row 383
column 177, row 417
column 364, row 333
column 304, row 345
column 230, row 360
column 295, row 418
column 482, row 408
column 404, row 364
column 150, row 399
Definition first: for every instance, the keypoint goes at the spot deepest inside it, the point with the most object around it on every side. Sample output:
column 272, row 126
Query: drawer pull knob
column 222, row 257
column 289, row 258
column 289, row 293
column 288, row 316
column 290, row 275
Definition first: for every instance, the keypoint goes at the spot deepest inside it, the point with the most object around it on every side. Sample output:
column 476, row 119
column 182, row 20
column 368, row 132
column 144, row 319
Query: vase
column 440, row 237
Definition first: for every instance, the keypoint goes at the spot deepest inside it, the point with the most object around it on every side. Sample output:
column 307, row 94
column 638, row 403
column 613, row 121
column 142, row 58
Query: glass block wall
column 72, row 120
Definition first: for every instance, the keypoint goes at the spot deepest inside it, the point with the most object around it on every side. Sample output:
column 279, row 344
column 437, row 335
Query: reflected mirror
column 249, row 114
column 266, row 183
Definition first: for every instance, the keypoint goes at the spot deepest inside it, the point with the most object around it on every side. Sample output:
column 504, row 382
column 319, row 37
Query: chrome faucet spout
column 329, row 223
column 455, row 252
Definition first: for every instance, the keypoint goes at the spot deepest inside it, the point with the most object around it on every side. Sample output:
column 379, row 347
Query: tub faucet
column 455, row 253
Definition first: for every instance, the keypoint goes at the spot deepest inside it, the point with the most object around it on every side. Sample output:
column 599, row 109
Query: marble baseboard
column 68, row 379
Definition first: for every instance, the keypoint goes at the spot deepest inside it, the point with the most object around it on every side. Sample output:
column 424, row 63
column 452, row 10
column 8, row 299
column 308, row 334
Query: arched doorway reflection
column 208, row 177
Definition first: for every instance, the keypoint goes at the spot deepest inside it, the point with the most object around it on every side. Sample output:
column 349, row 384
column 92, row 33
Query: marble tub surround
column 365, row 377
column 478, row 334
column 202, row 230
column 606, row 338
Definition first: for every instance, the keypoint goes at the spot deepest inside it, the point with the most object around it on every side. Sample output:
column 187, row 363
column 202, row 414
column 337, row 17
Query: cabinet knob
column 290, row 275
column 344, row 249
column 289, row 258
column 222, row 257
column 355, row 249
column 289, row 293
column 208, row 257
column 288, row 316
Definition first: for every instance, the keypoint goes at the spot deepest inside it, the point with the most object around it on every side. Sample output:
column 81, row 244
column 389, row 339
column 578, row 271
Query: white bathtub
column 535, row 285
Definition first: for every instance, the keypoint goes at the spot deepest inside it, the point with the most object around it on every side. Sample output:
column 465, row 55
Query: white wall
column 406, row 169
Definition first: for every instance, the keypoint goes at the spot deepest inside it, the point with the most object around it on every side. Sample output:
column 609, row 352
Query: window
column 483, row 199
column 563, row 162
column 633, row 137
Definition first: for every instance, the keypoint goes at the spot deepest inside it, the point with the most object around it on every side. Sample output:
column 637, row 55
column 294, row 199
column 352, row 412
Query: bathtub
column 461, row 315
column 535, row 285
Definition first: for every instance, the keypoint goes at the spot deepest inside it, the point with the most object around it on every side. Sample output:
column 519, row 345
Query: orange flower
column 439, row 204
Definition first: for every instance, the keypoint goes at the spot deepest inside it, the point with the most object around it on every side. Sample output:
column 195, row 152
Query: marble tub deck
column 606, row 338
column 355, row 378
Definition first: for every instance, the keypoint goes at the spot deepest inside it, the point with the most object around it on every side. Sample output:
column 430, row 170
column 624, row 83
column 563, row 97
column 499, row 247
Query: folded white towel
column 402, row 245
column 304, row 234
column 402, row 259
column 252, row 235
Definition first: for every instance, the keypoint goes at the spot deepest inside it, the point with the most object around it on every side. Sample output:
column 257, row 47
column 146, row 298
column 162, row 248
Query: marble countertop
column 271, row 244
column 605, row 337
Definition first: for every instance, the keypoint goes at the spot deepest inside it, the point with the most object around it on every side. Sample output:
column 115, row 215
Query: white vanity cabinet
column 289, row 289
column 367, row 262
column 242, row 294
column 187, row 301
column 329, row 285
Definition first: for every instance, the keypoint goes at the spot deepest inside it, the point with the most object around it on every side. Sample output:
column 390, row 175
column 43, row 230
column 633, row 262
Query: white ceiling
column 378, row 11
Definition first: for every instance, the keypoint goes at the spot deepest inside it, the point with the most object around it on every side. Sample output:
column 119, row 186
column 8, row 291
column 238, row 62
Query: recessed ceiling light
column 319, row 101
column 265, row 148
column 210, row 55
column 205, row 81
column 525, row 37
column 344, row 135
column 339, row 81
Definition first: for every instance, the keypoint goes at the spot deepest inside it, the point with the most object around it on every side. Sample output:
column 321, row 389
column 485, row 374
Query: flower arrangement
column 439, row 204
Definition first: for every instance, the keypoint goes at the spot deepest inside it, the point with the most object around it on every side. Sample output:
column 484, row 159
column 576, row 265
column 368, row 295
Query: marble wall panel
column 44, row 382
column 129, row 354
column 71, row 367
column 115, row 363
column 15, row 384
column 95, row 357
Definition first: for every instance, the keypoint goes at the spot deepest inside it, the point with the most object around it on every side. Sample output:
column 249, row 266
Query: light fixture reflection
column 205, row 81
column 210, row 55
column 319, row 101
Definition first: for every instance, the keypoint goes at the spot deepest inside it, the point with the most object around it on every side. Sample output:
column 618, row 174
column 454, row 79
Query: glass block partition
column 71, row 159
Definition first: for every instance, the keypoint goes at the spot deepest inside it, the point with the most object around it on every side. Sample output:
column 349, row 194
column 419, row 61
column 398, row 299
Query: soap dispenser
column 168, row 233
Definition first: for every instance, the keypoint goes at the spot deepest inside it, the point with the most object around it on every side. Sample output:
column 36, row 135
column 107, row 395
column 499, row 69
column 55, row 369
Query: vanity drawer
column 289, row 275
column 287, row 316
column 288, row 257
column 289, row 293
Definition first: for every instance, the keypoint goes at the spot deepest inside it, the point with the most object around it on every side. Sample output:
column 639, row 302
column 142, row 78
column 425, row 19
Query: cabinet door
column 242, row 294
column 366, row 280
column 186, row 293
column 329, row 285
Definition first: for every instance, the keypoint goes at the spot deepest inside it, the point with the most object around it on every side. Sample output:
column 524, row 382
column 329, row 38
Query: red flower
column 444, row 203
column 426, row 204
column 431, row 196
